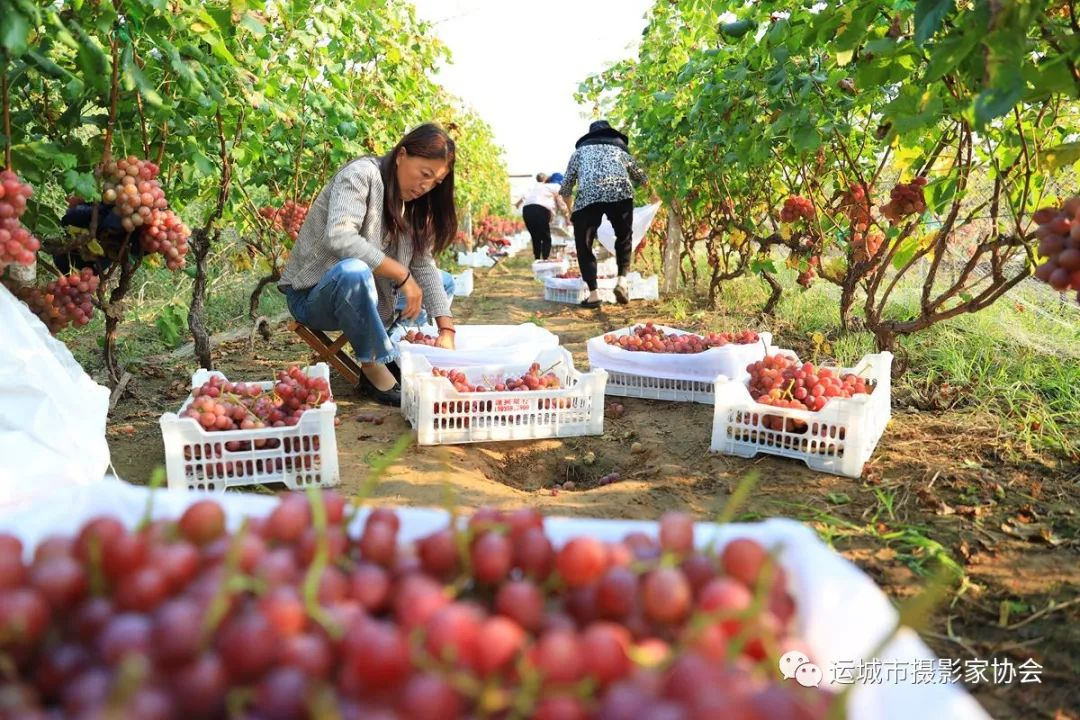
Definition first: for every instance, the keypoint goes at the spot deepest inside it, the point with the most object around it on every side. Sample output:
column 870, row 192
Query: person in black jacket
column 605, row 173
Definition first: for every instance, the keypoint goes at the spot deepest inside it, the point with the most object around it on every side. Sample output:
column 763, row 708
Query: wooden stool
column 332, row 351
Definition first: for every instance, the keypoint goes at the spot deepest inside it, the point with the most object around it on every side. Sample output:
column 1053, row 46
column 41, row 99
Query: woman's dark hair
column 430, row 219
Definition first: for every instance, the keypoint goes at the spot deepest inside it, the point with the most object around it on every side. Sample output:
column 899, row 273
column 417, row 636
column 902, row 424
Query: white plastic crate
column 440, row 415
column 463, row 283
column 642, row 288
column 477, row 259
column 573, row 290
column 838, row 439
column 675, row 378
column 300, row 456
column 549, row 268
column 476, row 346
column 608, row 267
column 520, row 241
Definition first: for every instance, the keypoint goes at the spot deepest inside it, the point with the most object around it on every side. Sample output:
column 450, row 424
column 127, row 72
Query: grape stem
column 6, row 111
column 318, row 567
column 219, row 605
column 552, row 367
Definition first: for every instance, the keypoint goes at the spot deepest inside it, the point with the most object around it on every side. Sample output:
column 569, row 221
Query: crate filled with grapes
column 141, row 604
column 829, row 418
column 542, row 398
column 662, row 363
column 231, row 434
column 463, row 283
column 571, row 290
column 549, row 268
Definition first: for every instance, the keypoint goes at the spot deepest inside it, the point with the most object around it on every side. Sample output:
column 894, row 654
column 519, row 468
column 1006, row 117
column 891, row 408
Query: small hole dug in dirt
column 561, row 467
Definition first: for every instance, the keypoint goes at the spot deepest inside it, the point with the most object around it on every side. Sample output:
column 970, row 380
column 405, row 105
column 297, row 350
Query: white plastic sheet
column 52, row 414
column 643, row 218
column 730, row 360
column 841, row 613
column 480, row 344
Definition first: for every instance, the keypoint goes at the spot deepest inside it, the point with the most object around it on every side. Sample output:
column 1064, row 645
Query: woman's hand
column 445, row 339
column 414, row 298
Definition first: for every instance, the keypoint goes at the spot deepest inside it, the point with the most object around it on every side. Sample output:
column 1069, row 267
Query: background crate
column 838, row 439
column 608, row 267
column 463, row 283
column 549, row 268
column 642, row 375
column 299, row 456
column 573, row 290
column 440, row 415
column 477, row 259
column 642, row 288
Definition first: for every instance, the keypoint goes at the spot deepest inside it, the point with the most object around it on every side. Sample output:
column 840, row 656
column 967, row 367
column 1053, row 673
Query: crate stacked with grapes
column 663, row 363
column 230, row 434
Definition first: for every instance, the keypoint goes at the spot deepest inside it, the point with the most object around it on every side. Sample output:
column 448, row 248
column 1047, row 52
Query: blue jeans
column 448, row 286
column 345, row 299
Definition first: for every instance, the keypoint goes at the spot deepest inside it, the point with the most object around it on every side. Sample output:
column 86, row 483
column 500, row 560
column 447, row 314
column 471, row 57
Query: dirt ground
column 938, row 482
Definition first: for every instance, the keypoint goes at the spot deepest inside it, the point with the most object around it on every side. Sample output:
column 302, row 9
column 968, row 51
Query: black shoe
column 590, row 304
column 394, row 369
column 391, row 397
column 622, row 296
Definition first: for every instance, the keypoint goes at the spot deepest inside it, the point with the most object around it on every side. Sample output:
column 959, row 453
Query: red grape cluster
column 17, row 245
column 865, row 246
column 576, row 275
column 782, row 381
column 905, row 199
column 855, row 203
column 649, row 338
column 41, row 304
column 418, row 338
column 1059, row 243
column 533, row 379
column 131, row 185
column 807, row 276
column 491, row 228
column 612, row 477
column 166, row 233
column 73, row 296
column 67, row 300
column 489, row 619
column 289, row 218
column 219, row 404
column 796, row 207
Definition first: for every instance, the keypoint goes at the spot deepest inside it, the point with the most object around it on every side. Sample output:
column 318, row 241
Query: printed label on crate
column 512, row 405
